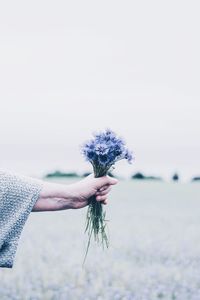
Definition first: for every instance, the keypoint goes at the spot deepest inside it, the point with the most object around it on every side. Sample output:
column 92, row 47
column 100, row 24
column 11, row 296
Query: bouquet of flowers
column 103, row 151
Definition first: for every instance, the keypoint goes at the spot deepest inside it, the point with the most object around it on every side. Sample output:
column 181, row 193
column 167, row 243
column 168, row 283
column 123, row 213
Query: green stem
column 96, row 223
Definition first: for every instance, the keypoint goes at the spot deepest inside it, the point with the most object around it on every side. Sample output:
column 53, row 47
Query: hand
column 59, row 196
column 90, row 186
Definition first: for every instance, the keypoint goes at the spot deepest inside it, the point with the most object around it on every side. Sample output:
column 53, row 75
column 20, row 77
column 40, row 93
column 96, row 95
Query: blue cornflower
column 101, row 149
column 129, row 156
column 104, row 150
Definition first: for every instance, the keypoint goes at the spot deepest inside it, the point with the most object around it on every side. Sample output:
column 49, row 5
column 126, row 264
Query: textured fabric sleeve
column 18, row 194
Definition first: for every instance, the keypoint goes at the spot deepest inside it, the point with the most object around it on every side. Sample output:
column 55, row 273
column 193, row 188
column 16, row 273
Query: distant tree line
column 61, row 174
column 70, row 174
column 137, row 176
column 144, row 177
column 196, row 178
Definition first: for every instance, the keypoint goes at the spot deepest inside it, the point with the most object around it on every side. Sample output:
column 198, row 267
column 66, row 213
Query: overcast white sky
column 69, row 68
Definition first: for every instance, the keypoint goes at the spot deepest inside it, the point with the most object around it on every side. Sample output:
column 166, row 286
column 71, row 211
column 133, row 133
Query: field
column 154, row 249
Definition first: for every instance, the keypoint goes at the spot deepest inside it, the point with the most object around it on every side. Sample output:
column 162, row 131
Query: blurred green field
column 154, row 249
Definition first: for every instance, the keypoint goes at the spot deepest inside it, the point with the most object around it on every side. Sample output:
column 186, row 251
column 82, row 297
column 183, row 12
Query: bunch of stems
column 96, row 222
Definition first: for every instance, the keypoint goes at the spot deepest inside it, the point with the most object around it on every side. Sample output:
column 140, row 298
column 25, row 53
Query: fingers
column 103, row 188
column 101, row 198
column 103, row 194
column 105, row 180
column 103, row 185
column 104, row 191
column 111, row 180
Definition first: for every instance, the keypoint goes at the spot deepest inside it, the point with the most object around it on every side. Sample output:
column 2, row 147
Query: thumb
column 105, row 180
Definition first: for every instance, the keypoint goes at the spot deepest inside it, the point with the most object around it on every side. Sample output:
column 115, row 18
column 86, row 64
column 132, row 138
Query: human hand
column 90, row 186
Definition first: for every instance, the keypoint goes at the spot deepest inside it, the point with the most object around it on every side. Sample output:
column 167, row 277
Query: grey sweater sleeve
column 18, row 194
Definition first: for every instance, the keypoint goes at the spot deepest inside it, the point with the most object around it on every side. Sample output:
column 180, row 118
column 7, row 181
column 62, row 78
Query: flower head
column 129, row 156
column 105, row 149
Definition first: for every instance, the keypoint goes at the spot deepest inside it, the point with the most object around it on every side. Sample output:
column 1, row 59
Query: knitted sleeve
column 18, row 194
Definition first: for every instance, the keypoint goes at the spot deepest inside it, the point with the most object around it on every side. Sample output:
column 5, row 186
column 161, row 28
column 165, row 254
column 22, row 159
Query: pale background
column 67, row 69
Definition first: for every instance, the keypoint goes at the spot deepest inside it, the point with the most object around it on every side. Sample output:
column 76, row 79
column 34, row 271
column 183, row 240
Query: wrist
column 54, row 197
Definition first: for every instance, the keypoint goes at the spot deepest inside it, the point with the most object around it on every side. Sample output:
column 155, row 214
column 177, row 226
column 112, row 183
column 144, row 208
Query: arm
column 54, row 196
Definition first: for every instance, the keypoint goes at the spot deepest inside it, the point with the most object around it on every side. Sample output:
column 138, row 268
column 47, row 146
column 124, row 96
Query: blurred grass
column 154, row 249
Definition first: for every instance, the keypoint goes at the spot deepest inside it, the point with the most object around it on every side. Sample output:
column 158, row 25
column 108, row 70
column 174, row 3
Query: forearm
column 54, row 197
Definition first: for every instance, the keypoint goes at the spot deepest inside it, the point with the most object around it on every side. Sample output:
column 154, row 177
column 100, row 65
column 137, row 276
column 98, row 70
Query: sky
column 68, row 69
